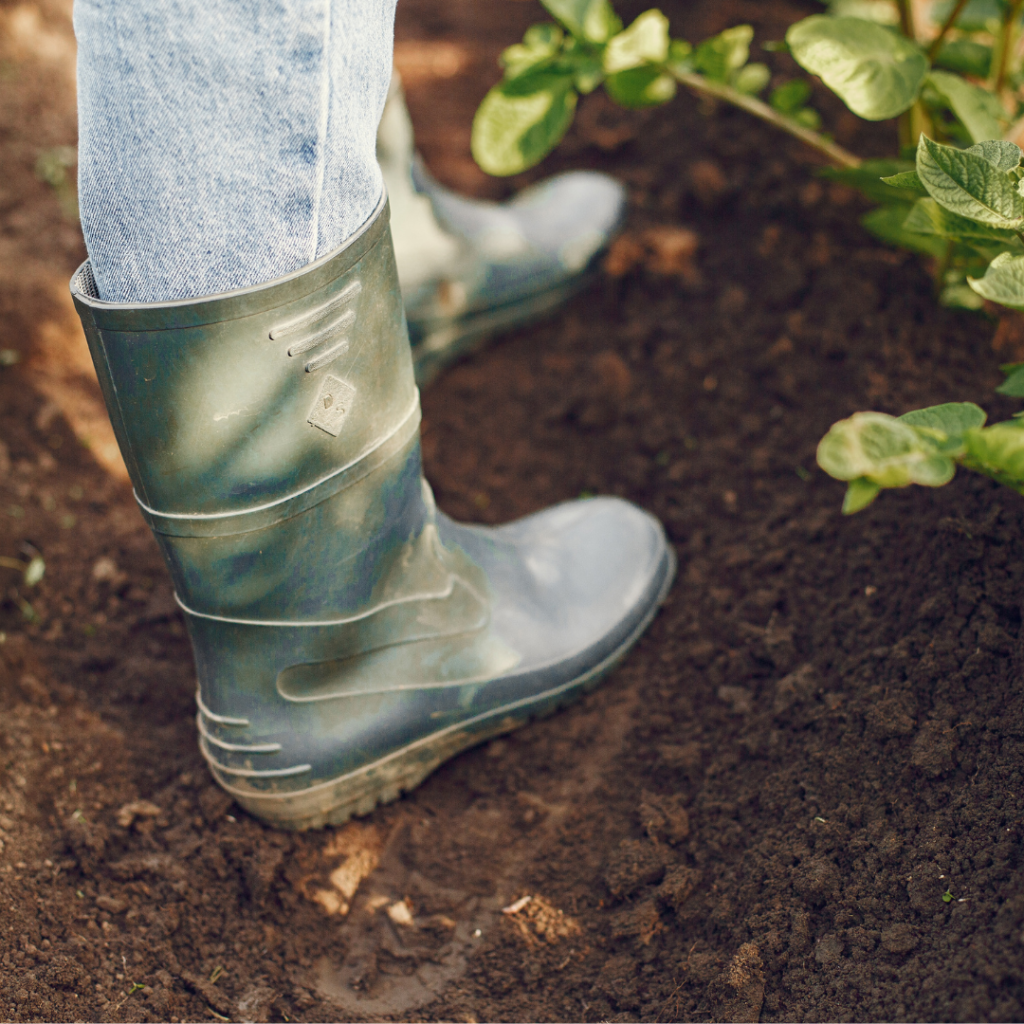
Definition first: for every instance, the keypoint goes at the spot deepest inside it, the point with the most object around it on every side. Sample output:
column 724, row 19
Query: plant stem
column 920, row 123
column 907, row 19
column 752, row 105
column 906, row 131
column 941, row 267
column 936, row 44
column 1004, row 45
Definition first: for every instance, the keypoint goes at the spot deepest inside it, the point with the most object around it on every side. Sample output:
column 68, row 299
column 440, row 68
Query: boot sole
column 385, row 780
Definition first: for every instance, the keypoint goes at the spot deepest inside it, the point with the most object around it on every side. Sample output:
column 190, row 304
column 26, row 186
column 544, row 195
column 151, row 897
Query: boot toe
column 572, row 585
column 524, row 257
column 570, row 216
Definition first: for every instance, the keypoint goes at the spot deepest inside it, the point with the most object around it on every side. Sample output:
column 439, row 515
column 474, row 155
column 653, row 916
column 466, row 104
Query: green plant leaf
column 965, row 57
column 520, row 121
column 886, row 224
column 967, row 183
column 978, row 110
column 34, row 571
column 867, row 10
column 680, row 56
column 907, row 180
column 583, row 62
column 947, row 424
column 859, row 494
column 873, row 70
column 789, row 97
column 808, row 117
column 644, row 42
column 1003, row 282
column 960, row 296
column 885, row 450
column 867, row 178
column 587, row 80
column 998, row 451
column 540, row 45
column 721, row 55
column 1014, row 383
column 640, row 87
column 1002, row 155
column 752, row 79
column 592, row 20
column 928, row 218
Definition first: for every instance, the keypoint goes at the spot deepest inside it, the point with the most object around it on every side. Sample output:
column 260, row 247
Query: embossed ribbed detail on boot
column 214, row 402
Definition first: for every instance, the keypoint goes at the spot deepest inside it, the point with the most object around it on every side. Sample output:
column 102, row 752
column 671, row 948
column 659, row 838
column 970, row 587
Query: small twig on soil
column 752, row 105
column 936, row 45
column 671, row 999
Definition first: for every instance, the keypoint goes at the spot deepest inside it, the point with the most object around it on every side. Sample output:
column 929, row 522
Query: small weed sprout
column 53, row 166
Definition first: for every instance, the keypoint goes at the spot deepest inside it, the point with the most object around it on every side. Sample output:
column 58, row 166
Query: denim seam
column 324, row 123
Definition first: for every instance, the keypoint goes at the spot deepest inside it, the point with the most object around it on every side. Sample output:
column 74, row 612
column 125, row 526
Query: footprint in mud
column 392, row 968
column 408, row 936
column 417, row 896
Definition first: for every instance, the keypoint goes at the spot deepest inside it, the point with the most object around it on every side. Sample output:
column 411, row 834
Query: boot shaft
column 271, row 433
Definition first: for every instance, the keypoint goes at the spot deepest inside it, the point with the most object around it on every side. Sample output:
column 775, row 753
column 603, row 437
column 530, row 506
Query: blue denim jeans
column 223, row 143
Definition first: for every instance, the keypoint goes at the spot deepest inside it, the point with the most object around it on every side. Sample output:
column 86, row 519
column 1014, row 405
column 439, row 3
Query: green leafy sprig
column 941, row 92
column 974, row 198
column 586, row 46
column 877, row 72
column 872, row 451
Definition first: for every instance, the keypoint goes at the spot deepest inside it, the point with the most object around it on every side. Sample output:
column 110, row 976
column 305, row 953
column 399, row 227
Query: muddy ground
column 800, row 798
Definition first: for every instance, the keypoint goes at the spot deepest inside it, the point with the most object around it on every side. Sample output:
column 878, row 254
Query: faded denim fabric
column 223, row 143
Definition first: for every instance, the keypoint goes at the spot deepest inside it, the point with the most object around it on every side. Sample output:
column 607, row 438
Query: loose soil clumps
column 800, row 798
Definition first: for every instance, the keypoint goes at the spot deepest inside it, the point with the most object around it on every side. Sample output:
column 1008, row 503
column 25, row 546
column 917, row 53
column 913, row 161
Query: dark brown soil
column 799, row 799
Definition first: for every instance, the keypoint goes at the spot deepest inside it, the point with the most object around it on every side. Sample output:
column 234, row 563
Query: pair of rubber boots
column 348, row 637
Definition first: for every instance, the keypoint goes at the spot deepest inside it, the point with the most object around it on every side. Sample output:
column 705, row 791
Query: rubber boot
column 469, row 268
column 348, row 637
column 425, row 252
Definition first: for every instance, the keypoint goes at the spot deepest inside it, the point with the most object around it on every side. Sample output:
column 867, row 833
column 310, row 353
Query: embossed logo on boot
column 323, row 326
column 332, row 405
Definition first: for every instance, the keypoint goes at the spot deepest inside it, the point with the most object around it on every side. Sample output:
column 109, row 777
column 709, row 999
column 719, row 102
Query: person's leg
column 223, row 144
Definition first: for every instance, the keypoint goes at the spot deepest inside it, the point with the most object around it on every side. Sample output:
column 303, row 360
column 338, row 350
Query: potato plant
column 954, row 191
column 974, row 197
column 873, row 451
column 962, row 89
